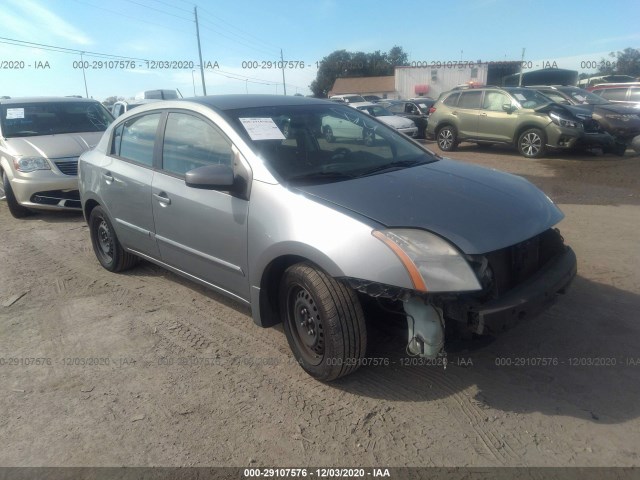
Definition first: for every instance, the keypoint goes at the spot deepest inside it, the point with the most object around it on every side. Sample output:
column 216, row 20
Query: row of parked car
column 247, row 195
column 534, row 119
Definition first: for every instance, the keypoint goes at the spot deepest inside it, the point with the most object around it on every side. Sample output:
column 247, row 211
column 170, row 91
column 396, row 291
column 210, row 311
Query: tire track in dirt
column 188, row 330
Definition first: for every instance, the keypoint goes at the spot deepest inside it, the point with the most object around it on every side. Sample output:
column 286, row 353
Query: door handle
column 483, row 114
column 454, row 113
column 108, row 177
column 162, row 199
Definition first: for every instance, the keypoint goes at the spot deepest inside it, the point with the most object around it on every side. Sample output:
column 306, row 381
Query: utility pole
column 204, row 87
column 86, row 90
column 521, row 63
column 284, row 85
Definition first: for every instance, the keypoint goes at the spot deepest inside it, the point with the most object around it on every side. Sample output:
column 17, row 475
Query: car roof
column 9, row 101
column 232, row 102
column 616, row 85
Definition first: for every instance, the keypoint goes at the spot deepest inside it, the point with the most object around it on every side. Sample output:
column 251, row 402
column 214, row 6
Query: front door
column 200, row 232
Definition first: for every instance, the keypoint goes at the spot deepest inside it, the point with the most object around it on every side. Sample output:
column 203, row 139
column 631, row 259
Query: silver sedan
column 247, row 195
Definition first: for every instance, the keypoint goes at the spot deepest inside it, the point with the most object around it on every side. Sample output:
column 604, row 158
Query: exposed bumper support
column 529, row 298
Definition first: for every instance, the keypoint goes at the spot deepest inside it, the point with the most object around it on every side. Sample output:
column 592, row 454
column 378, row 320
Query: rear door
column 126, row 181
column 467, row 113
column 200, row 232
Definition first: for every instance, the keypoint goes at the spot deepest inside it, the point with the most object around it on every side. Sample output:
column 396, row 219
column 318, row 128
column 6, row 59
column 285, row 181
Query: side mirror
column 507, row 107
column 210, row 177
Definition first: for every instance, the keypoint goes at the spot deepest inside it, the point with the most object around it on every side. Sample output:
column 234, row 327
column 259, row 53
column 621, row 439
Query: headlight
column 31, row 164
column 564, row 122
column 432, row 263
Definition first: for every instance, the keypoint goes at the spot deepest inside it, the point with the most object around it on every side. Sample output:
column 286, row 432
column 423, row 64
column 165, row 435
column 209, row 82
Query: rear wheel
column 16, row 210
column 106, row 245
column 328, row 135
column 323, row 322
column 447, row 138
column 532, row 143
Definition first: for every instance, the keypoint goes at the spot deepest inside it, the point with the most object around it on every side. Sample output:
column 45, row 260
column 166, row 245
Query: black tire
column 447, row 138
column 323, row 321
column 532, row 143
column 105, row 243
column 369, row 137
column 328, row 134
column 16, row 210
column 286, row 129
column 619, row 149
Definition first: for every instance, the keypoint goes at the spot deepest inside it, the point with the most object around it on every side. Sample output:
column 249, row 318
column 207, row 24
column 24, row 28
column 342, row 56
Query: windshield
column 582, row 96
column 51, row 118
column 376, row 111
column 529, row 98
column 313, row 144
column 354, row 99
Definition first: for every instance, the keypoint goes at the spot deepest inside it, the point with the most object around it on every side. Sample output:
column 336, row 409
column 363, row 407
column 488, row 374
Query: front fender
column 282, row 222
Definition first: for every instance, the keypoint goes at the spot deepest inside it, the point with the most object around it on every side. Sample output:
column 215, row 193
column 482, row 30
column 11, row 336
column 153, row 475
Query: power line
column 237, row 41
column 172, row 6
column 54, row 48
column 120, row 14
column 159, row 10
column 243, row 32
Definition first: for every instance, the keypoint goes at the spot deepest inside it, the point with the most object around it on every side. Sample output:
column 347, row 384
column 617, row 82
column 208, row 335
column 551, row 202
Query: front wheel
column 323, row 322
column 532, row 143
column 16, row 210
column 369, row 137
column 106, row 245
column 447, row 138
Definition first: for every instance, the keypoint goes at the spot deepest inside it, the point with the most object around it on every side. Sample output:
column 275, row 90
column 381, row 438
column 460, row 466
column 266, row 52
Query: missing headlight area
column 517, row 282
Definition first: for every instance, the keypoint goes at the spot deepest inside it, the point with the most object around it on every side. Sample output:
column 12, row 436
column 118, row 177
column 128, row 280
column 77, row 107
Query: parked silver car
column 41, row 139
column 313, row 233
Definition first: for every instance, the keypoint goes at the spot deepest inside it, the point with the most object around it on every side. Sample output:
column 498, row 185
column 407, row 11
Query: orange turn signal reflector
column 412, row 270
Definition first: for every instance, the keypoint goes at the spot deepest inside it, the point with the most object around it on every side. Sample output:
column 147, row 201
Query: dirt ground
column 184, row 377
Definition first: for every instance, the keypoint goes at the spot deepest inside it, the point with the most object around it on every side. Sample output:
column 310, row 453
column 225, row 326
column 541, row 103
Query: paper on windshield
column 262, row 129
column 15, row 113
column 520, row 97
column 580, row 98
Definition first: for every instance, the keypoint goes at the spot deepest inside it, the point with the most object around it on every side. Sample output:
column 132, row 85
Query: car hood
column 571, row 110
column 396, row 122
column 477, row 209
column 54, row 146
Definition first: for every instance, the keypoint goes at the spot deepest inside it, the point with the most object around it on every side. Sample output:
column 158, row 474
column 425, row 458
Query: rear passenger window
column 470, row 99
column 191, row 142
column 614, row 93
column 134, row 139
column 452, row 100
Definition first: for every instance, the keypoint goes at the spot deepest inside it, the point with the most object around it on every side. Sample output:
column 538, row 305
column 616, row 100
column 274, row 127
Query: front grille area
column 68, row 166
column 61, row 198
column 514, row 265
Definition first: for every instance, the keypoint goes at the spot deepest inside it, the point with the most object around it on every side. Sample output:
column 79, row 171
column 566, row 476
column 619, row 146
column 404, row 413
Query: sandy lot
column 176, row 375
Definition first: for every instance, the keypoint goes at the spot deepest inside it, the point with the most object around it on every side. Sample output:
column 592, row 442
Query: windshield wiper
column 320, row 176
column 390, row 167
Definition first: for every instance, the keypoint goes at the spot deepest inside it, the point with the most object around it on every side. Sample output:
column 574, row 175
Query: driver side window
column 191, row 142
column 493, row 101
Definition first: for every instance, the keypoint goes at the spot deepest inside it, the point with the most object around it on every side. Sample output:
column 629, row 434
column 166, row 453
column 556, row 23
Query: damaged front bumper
column 527, row 299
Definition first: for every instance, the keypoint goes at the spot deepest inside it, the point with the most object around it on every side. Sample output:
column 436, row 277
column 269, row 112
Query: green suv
column 511, row 115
